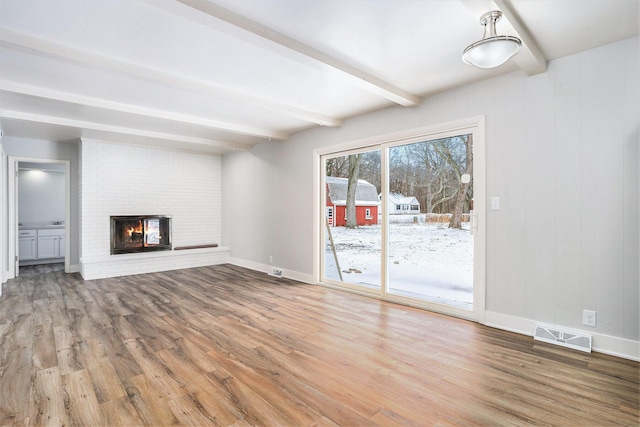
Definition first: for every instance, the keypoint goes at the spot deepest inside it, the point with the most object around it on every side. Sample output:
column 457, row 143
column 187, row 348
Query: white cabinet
column 50, row 243
column 27, row 245
column 41, row 245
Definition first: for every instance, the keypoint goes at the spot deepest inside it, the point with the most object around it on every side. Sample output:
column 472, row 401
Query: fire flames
column 136, row 233
column 137, row 229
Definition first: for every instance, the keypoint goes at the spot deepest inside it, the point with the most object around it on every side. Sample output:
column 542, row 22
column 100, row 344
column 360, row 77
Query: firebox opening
column 130, row 234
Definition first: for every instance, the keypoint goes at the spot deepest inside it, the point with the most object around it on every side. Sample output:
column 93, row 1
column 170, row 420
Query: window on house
column 367, row 213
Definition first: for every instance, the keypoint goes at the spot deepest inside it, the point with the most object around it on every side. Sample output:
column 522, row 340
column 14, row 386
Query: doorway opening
column 38, row 215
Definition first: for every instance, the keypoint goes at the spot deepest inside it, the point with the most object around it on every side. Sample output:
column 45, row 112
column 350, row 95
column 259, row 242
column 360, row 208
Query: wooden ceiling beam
column 212, row 15
column 55, row 95
column 24, row 42
column 92, row 126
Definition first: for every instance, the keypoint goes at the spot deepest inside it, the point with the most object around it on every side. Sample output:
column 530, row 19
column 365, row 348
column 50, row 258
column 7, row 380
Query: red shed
column 367, row 203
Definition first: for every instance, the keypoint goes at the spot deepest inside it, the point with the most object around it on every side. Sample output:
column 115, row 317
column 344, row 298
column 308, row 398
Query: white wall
column 51, row 150
column 41, row 196
column 130, row 180
column 562, row 153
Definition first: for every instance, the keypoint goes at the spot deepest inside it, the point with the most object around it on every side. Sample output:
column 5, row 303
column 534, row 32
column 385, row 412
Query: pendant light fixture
column 493, row 50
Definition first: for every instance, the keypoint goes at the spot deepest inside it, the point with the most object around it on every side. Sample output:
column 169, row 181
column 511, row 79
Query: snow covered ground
column 426, row 260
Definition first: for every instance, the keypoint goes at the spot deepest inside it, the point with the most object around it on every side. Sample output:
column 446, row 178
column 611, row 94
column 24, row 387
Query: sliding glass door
column 399, row 222
column 352, row 237
column 430, row 245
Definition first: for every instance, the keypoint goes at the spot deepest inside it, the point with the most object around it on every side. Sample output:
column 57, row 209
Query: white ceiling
column 220, row 75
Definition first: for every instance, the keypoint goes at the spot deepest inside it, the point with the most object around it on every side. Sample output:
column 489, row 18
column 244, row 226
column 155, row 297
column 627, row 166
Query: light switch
column 495, row 203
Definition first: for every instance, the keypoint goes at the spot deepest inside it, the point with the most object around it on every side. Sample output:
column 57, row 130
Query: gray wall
column 562, row 153
column 41, row 194
column 40, row 149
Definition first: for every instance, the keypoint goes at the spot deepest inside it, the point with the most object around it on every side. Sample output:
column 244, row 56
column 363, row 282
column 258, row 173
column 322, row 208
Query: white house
column 399, row 204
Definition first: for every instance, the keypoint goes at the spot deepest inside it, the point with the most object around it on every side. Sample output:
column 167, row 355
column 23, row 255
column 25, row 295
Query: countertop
column 38, row 226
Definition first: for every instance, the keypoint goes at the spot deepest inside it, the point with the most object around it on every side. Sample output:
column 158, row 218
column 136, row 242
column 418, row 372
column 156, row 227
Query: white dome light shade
column 491, row 52
column 494, row 50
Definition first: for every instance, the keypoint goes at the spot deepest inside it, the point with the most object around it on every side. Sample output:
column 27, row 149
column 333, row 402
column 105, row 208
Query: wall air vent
column 560, row 336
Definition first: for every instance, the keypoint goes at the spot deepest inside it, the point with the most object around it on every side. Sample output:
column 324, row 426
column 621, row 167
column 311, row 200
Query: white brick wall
column 130, row 180
column 151, row 262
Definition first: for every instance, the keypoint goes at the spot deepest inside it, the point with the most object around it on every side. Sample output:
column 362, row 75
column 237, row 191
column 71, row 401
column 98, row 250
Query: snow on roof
column 399, row 199
column 366, row 193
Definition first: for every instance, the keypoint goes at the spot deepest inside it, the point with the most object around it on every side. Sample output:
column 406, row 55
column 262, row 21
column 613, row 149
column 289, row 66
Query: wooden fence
column 431, row 217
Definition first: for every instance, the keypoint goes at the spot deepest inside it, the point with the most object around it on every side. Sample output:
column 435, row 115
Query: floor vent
column 276, row 272
column 567, row 338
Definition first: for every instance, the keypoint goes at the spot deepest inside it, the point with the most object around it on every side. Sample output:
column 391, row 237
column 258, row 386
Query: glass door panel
column 430, row 245
column 352, row 229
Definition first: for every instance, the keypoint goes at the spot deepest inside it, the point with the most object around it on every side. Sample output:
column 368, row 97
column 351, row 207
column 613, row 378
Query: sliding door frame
column 474, row 126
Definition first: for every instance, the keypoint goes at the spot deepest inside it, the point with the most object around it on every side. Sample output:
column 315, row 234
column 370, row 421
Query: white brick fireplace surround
column 129, row 180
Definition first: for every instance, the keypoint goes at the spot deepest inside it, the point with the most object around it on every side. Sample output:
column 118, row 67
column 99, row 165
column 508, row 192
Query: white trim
column 11, row 217
column 4, row 273
column 384, row 225
column 12, row 203
column 480, row 230
column 319, row 198
column 401, row 137
column 607, row 344
column 473, row 125
column 264, row 268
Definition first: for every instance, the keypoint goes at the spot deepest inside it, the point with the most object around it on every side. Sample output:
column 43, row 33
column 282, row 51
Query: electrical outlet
column 589, row 318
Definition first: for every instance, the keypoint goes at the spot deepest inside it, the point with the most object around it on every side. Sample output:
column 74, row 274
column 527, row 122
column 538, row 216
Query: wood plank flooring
column 227, row 346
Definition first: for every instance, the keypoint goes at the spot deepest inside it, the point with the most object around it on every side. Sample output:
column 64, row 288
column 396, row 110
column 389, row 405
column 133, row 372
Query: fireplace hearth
column 133, row 234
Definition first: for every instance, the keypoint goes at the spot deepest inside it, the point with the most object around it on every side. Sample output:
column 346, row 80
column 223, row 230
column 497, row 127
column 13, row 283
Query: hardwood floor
column 33, row 270
column 227, row 346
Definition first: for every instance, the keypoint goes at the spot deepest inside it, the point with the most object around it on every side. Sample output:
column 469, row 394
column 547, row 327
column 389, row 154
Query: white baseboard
column 74, row 268
column 264, row 268
column 607, row 344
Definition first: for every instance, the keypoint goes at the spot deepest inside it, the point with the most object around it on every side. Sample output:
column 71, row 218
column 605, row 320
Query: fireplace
column 131, row 234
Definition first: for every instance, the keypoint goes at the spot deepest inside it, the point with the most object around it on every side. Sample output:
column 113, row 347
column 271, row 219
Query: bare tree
column 456, row 218
column 354, row 170
column 370, row 168
column 337, row 166
column 432, row 180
